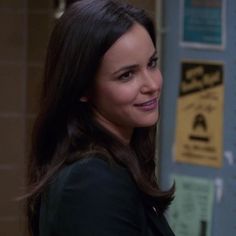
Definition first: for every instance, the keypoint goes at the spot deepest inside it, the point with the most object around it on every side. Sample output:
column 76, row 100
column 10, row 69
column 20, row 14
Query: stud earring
column 83, row 99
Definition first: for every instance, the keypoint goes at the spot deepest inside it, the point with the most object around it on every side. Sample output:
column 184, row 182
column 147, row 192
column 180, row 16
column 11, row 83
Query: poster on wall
column 199, row 118
column 203, row 23
column 192, row 209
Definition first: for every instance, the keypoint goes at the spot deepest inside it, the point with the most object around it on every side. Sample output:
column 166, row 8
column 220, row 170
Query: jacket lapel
column 158, row 223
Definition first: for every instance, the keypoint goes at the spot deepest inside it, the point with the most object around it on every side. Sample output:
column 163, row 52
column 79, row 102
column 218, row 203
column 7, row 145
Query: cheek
column 121, row 94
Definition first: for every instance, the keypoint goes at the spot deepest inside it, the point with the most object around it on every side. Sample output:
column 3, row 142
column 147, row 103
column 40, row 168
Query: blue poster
column 203, row 23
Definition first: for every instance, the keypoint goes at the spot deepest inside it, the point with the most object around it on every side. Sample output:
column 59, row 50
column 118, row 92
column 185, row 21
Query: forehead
column 135, row 46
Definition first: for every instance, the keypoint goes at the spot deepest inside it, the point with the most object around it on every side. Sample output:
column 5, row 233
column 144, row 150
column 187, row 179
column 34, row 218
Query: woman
column 92, row 170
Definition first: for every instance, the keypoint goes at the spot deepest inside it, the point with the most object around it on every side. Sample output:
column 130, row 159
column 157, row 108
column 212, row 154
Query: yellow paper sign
column 199, row 125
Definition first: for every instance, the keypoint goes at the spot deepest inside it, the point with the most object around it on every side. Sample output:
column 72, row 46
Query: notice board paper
column 192, row 209
column 199, row 119
column 203, row 23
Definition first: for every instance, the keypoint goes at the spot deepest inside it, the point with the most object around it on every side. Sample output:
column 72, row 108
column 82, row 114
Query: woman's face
column 128, row 84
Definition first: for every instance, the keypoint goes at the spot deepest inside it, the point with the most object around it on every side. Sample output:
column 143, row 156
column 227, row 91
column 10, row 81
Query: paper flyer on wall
column 192, row 209
column 203, row 23
column 199, row 118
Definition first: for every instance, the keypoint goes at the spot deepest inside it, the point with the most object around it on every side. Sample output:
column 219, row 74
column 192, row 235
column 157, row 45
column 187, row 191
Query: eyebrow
column 130, row 67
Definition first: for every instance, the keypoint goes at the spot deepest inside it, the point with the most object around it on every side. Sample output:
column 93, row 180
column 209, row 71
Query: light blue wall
column 224, row 214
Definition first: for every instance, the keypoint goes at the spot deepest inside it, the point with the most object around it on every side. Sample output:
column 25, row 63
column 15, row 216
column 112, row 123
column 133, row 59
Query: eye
column 126, row 76
column 153, row 63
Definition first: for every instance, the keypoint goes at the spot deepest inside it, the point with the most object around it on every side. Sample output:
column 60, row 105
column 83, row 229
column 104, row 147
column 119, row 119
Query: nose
column 152, row 81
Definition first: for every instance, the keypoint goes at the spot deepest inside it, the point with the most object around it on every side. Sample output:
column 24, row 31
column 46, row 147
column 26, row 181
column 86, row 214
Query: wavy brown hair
column 65, row 129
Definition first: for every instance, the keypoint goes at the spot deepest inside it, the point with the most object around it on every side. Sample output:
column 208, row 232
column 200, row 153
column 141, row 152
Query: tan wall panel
column 11, row 181
column 12, row 140
column 148, row 5
column 38, row 34
column 12, row 91
column 12, row 227
column 12, row 37
column 12, row 3
column 42, row 4
column 34, row 83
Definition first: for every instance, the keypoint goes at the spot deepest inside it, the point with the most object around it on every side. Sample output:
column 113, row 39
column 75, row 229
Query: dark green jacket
column 92, row 198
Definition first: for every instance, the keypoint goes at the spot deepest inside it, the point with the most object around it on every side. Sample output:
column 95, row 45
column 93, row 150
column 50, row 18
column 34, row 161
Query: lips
column 147, row 106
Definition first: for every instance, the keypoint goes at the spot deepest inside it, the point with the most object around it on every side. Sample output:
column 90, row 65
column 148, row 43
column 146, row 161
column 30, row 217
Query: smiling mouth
column 150, row 102
column 147, row 106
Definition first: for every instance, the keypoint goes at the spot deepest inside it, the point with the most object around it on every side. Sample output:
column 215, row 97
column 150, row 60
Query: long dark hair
column 65, row 129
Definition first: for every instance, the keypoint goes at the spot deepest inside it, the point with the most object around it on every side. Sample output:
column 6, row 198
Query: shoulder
column 92, row 190
column 93, row 182
column 96, row 170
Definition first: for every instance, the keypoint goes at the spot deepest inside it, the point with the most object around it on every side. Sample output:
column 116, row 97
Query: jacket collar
column 158, row 223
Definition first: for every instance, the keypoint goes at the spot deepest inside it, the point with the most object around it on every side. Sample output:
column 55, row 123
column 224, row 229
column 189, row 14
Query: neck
column 121, row 132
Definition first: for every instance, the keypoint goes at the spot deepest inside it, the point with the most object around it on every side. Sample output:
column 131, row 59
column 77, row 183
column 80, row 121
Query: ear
column 83, row 99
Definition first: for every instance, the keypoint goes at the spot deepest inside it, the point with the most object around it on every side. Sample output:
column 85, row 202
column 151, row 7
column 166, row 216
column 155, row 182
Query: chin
column 148, row 122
